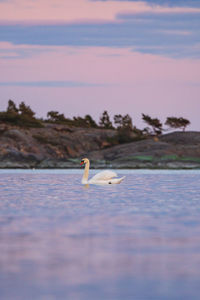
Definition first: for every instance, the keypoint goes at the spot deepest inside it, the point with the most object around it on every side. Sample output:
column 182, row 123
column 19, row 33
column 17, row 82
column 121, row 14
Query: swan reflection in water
column 103, row 177
column 86, row 186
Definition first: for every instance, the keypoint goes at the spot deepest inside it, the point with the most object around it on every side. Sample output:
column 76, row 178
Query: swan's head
column 84, row 161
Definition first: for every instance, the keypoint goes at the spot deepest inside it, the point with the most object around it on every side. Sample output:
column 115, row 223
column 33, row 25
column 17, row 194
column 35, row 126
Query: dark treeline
column 21, row 116
column 24, row 116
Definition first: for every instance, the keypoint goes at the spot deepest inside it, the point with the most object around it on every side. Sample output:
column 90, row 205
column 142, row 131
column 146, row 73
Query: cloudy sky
column 84, row 56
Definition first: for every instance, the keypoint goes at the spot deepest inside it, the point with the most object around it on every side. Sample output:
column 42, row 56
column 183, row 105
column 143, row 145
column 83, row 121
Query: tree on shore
column 26, row 110
column 86, row 122
column 90, row 122
column 22, row 116
column 174, row 122
column 118, row 121
column 54, row 116
column 125, row 130
column 12, row 108
column 104, row 121
column 123, row 122
column 154, row 123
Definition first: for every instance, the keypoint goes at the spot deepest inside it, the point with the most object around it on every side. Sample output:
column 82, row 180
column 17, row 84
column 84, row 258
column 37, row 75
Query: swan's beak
column 82, row 163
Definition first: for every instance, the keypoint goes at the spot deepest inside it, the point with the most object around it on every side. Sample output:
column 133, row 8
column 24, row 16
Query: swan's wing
column 104, row 175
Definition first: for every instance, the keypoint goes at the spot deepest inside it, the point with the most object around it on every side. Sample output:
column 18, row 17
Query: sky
column 85, row 56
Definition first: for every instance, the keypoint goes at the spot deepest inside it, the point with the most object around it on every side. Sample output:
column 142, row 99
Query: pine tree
column 174, row 122
column 26, row 110
column 12, row 107
column 104, row 121
column 154, row 123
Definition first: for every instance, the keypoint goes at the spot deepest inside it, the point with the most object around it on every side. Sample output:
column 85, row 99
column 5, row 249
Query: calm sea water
column 137, row 240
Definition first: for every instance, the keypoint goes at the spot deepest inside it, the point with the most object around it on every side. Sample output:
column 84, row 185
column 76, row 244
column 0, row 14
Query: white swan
column 104, row 177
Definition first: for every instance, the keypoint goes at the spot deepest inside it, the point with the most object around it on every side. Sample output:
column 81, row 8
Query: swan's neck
column 86, row 173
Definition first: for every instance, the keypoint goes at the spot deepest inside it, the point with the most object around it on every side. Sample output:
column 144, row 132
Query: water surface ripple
column 138, row 240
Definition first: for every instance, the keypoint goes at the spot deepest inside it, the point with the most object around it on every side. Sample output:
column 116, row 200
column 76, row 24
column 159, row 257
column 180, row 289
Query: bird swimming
column 103, row 177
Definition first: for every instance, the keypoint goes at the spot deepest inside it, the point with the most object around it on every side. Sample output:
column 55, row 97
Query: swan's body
column 104, row 177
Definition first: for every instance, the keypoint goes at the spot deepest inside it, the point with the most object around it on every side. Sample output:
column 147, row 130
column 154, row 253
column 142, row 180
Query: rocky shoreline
column 59, row 146
column 55, row 164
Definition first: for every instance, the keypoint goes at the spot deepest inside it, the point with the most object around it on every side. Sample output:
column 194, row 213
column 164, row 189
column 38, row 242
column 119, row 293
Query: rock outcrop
column 48, row 147
column 60, row 146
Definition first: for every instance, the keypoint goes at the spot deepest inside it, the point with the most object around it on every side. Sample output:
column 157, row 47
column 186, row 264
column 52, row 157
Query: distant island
column 60, row 142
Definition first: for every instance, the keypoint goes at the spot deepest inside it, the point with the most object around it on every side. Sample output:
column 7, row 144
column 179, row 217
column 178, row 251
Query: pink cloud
column 130, row 82
column 46, row 11
column 96, row 64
